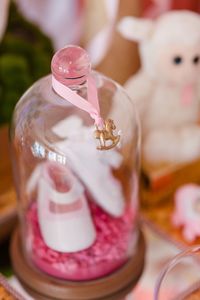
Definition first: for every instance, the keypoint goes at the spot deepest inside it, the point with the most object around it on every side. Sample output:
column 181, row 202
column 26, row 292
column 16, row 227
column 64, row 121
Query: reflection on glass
column 180, row 279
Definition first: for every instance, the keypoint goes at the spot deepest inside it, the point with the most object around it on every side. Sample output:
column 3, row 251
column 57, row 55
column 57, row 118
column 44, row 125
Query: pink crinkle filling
column 109, row 252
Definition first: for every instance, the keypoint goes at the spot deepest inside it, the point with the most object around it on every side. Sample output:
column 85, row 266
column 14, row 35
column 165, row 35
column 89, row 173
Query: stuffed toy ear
column 135, row 29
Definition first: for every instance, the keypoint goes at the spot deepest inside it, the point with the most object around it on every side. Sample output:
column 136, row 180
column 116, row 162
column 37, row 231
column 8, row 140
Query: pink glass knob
column 71, row 65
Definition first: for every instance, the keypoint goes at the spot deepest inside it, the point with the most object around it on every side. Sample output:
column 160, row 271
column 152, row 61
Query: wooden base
column 43, row 287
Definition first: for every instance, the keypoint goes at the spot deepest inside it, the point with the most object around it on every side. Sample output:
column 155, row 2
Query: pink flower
column 187, row 211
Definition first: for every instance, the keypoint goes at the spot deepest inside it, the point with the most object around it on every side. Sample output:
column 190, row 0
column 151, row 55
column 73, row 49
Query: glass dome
column 77, row 184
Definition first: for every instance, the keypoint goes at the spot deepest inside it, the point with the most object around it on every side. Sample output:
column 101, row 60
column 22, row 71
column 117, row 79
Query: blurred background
column 31, row 30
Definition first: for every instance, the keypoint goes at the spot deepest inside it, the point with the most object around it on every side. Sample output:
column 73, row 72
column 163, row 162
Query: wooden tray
column 159, row 218
column 159, row 182
column 7, row 192
column 7, row 291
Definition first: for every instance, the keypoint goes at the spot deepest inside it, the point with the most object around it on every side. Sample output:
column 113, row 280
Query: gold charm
column 106, row 134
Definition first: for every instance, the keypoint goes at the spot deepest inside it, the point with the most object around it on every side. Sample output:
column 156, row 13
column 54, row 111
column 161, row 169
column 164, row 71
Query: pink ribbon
column 91, row 105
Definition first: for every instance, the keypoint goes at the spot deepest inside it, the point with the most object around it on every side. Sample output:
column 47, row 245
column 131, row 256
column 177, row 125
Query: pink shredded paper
column 109, row 252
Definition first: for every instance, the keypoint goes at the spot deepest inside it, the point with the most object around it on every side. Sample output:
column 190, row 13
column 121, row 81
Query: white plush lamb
column 166, row 88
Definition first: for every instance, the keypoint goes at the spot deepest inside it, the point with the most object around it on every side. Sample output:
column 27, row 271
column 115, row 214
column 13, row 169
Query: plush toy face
column 169, row 46
column 178, row 65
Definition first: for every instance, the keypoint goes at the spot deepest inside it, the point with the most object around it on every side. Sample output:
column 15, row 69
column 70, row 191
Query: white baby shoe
column 64, row 217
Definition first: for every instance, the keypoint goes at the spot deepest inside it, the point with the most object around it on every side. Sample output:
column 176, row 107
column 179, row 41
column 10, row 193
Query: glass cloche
column 75, row 144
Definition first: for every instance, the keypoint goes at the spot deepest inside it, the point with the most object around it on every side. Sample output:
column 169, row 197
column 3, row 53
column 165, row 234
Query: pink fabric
column 154, row 8
column 187, row 94
column 91, row 106
column 62, row 20
column 109, row 252
column 4, row 11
